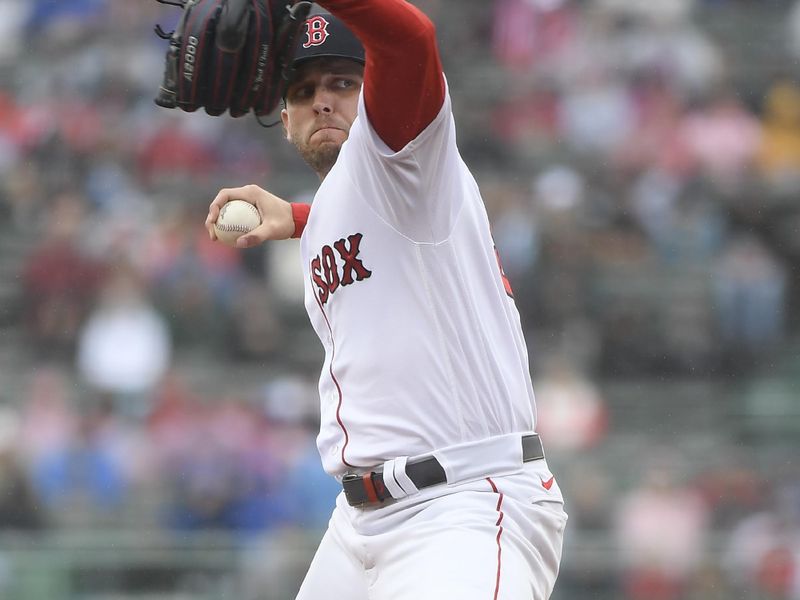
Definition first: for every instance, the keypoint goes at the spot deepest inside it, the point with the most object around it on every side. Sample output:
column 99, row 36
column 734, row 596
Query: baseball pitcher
column 427, row 409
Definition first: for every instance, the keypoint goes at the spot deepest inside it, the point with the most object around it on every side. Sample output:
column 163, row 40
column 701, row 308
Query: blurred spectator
column 685, row 225
column 128, row 447
column 286, row 282
column 48, row 420
column 654, row 199
column 592, row 495
column 560, row 296
column 531, row 32
column 779, row 156
column 22, row 191
column 191, row 276
column 722, row 138
column 227, row 478
column 661, row 529
column 13, row 13
column 112, row 187
column 65, row 19
column 763, row 552
column 528, row 117
column 230, row 466
column 734, row 488
column 174, row 412
column 516, row 234
column 18, row 504
column 290, row 404
column 656, row 38
column 309, row 491
column 256, row 332
column 652, row 144
column 206, row 490
column 84, row 482
column 60, row 279
column 514, row 229
column 559, row 198
column 571, row 412
column 596, row 114
column 750, row 287
column 175, row 153
column 125, row 346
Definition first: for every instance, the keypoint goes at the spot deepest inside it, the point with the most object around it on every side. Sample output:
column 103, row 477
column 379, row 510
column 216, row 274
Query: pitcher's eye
column 301, row 92
column 344, row 83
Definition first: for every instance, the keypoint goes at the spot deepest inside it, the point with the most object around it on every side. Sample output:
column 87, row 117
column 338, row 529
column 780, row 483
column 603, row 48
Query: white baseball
column 236, row 218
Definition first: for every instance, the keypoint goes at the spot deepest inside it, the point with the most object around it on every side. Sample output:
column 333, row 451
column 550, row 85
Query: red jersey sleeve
column 403, row 81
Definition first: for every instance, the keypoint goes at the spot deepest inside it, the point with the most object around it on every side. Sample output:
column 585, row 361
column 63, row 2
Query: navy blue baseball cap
column 325, row 36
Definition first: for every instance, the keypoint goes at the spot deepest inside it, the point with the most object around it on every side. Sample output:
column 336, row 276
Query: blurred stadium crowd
column 640, row 161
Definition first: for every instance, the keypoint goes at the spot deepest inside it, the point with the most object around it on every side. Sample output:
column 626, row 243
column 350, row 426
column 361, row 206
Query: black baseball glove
column 230, row 55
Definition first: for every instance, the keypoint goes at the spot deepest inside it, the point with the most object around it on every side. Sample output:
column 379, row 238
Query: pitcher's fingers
column 257, row 236
column 224, row 196
column 213, row 214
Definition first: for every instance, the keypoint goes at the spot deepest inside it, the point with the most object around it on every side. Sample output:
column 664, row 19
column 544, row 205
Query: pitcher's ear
column 285, row 120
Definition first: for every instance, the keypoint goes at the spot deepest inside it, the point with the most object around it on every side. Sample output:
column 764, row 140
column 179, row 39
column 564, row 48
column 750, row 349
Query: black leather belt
column 424, row 472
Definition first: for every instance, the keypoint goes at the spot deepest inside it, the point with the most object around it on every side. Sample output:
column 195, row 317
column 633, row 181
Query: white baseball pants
column 496, row 538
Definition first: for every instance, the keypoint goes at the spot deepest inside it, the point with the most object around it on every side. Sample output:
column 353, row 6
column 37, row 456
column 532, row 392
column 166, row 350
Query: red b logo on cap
column 316, row 32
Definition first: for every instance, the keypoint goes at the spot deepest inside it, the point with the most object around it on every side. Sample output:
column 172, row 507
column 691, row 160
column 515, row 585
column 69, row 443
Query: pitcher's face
column 321, row 105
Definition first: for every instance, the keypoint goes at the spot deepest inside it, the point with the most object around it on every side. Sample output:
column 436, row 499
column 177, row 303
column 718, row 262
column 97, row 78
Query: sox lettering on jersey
column 331, row 269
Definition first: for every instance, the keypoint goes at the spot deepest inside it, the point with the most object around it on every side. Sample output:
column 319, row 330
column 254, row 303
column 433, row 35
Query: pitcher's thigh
column 459, row 563
column 334, row 573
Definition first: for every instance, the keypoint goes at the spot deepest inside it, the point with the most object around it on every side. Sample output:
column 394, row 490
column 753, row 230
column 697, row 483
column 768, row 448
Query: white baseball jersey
column 423, row 344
